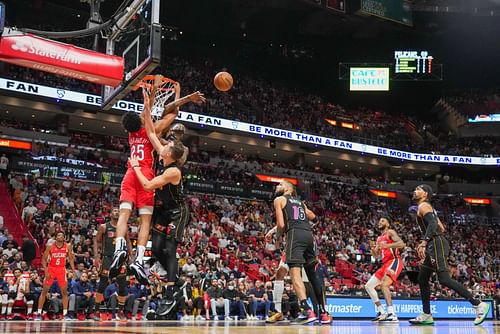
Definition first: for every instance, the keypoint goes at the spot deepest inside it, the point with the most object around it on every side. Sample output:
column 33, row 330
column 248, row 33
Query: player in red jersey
column 388, row 245
column 132, row 191
column 55, row 255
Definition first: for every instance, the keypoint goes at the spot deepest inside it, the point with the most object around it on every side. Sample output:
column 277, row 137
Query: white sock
column 29, row 307
column 279, row 286
column 65, row 311
column 9, row 310
column 39, row 311
column 390, row 309
column 380, row 309
column 140, row 253
column 4, row 308
column 120, row 244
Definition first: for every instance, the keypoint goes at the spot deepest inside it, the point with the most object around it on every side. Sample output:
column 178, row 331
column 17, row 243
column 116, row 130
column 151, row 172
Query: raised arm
column 172, row 109
column 148, row 122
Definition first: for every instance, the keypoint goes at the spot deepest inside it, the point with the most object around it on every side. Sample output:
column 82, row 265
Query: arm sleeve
column 432, row 225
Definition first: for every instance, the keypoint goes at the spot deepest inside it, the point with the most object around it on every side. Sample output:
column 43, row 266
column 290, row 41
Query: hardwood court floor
column 241, row 327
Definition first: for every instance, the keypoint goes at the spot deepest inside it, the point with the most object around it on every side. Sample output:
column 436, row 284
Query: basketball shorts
column 132, row 190
column 58, row 274
column 171, row 222
column 436, row 254
column 300, row 248
column 391, row 268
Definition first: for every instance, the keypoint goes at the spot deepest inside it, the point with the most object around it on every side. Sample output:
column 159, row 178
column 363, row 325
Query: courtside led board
column 369, row 79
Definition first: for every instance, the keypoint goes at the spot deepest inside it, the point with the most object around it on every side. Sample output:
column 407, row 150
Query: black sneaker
column 305, row 317
column 151, row 315
column 137, row 269
column 119, row 259
column 165, row 307
column 378, row 316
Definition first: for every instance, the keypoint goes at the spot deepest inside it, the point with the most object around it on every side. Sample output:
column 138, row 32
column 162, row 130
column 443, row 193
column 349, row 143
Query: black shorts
column 436, row 254
column 106, row 264
column 171, row 222
column 300, row 248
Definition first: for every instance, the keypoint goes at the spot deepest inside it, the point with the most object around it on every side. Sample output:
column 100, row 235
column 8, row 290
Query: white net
column 164, row 92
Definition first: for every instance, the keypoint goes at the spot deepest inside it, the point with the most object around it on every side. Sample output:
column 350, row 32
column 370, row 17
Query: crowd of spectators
column 256, row 100
column 224, row 247
column 474, row 101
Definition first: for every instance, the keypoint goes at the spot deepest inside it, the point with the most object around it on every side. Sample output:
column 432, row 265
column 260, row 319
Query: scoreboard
column 413, row 62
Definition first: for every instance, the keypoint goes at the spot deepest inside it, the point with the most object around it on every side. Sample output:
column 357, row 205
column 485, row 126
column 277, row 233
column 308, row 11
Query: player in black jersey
column 104, row 248
column 433, row 251
column 292, row 220
column 170, row 215
column 175, row 133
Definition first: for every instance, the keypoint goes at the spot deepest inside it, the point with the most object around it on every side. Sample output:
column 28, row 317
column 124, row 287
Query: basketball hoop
column 165, row 90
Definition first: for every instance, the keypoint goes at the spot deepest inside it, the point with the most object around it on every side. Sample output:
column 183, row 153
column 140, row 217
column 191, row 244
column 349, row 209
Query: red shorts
column 58, row 274
column 18, row 303
column 132, row 190
column 391, row 268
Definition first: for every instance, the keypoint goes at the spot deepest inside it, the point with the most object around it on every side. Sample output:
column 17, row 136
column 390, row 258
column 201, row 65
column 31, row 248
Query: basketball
column 223, row 81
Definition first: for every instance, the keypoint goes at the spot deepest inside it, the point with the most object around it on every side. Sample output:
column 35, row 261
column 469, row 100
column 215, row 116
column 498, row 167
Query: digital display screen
column 369, row 79
column 485, row 118
column 413, row 62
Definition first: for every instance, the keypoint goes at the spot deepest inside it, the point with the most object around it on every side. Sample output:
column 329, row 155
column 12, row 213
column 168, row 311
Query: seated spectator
column 217, row 300
column 19, row 294
column 235, row 299
column 137, row 299
column 258, row 300
column 84, row 293
column 290, row 304
column 55, row 299
column 4, row 293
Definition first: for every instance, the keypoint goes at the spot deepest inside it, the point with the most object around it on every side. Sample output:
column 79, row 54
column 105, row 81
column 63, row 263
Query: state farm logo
column 21, row 45
column 45, row 49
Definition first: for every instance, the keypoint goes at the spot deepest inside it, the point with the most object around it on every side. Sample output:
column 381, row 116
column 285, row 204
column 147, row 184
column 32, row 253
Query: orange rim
column 151, row 77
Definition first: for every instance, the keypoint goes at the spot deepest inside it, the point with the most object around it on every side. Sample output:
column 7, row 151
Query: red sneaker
column 138, row 316
column 325, row 318
column 305, row 317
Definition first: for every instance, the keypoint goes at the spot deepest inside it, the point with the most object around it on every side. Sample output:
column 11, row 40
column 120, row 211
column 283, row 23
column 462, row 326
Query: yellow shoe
column 278, row 316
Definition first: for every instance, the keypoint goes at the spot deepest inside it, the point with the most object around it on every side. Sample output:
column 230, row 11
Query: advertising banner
column 343, row 307
column 262, row 131
column 394, row 10
column 228, row 189
column 59, row 58
column 369, row 79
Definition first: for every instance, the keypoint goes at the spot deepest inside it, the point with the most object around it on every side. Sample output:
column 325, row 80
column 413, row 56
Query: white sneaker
column 158, row 270
column 391, row 317
column 228, row 318
column 200, row 318
column 482, row 311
